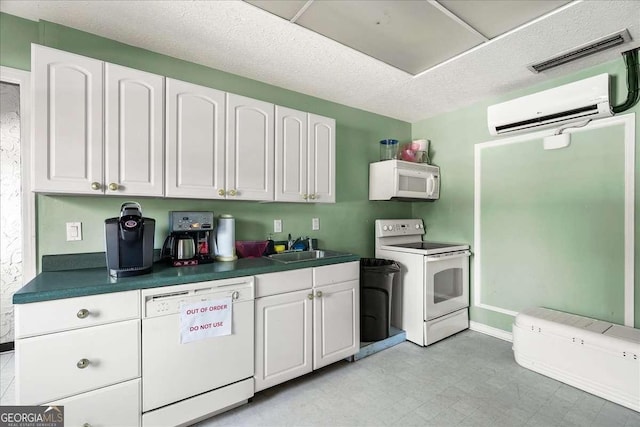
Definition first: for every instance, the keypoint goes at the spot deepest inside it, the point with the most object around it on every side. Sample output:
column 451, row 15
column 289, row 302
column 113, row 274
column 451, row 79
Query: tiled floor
column 7, row 382
column 468, row 380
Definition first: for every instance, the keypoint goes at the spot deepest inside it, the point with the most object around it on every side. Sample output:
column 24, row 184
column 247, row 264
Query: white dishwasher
column 183, row 383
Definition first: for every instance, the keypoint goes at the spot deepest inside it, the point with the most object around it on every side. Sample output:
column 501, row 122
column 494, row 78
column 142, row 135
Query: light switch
column 277, row 226
column 74, row 231
column 315, row 223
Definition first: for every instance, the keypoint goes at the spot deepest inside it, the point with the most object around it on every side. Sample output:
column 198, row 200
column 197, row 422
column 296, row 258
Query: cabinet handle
column 86, row 425
column 232, row 192
column 82, row 314
column 82, row 363
column 312, row 197
column 305, row 196
column 319, row 294
column 113, row 186
column 235, row 295
column 95, row 186
column 310, row 296
column 221, row 192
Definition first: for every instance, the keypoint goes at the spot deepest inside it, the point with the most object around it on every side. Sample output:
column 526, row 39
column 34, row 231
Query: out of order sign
column 205, row 319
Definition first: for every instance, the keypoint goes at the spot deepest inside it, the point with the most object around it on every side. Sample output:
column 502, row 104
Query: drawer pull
column 82, row 363
column 319, row 294
column 235, row 295
column 82, row 314
column 310, row 296
column 86, row 425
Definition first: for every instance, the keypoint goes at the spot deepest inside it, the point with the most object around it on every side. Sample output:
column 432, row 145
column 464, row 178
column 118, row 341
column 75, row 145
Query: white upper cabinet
column 99, row 128
column 71, row 115
column 291, row 155
column 322, row 159
column 68, row 122
column 133, row 132
column 250, row 149
column 305, row 157
column 195, row 152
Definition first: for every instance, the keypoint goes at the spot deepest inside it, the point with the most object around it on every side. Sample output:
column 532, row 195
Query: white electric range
column 431, row 292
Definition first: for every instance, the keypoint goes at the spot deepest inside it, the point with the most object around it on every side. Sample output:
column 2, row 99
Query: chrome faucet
column 292, row 243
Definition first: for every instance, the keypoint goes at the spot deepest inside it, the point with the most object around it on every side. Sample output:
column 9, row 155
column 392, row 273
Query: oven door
column 417, row 184
column 446, row 283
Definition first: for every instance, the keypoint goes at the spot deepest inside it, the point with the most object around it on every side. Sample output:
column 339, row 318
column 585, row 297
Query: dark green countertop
column 51, row 285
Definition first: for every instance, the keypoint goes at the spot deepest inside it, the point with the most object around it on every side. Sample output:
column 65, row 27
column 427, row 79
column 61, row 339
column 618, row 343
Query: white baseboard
column 490, row 330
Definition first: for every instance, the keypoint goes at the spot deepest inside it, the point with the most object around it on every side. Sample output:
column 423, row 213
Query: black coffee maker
column 129, row 241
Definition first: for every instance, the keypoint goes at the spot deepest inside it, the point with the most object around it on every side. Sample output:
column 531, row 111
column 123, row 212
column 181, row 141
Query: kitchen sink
column 288, row 257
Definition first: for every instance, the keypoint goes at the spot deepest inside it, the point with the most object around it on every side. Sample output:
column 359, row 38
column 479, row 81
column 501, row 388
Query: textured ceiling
column 412, row 35
column 242, row 39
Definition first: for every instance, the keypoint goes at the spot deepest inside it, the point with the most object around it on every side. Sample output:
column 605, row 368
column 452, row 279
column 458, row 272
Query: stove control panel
column 399, row 227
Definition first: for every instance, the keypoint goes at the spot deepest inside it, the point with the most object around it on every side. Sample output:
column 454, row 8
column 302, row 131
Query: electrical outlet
column 315, row 223
column 277, row 226
column 74, row 231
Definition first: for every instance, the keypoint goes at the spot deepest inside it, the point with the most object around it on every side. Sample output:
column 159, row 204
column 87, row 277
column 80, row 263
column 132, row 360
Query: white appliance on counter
column 400, row 180
column 431, row 292
column 184, row 383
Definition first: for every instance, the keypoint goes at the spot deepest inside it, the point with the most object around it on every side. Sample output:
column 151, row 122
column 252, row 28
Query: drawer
column 49, row 367
column 64, row 314
column 336, row 273
column 116, row 405
column 282, row 282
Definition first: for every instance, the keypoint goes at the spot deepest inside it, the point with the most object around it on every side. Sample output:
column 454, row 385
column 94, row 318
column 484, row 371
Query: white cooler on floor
column 596, row 356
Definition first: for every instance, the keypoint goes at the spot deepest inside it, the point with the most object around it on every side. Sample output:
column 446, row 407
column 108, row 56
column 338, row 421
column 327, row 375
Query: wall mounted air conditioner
column 574, row 102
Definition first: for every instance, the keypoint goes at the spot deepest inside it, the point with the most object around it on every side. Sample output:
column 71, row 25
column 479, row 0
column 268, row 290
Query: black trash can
column 376, row 284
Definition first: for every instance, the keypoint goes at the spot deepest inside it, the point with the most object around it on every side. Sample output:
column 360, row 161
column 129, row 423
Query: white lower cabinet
column 336, row 322
column 83, row 353
column 283, row 337
column 308, row 328
column 116, row 405
column 76, row 361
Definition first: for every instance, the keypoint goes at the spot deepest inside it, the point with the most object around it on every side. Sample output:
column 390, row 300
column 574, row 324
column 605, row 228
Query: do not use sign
column 205, row 319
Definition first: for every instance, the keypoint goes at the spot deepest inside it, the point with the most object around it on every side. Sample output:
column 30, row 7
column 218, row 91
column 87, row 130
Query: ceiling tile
column 410, row 35
column 495, row 17
column 286, row 9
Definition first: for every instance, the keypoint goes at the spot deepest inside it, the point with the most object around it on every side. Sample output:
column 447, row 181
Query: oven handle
column 450, row 255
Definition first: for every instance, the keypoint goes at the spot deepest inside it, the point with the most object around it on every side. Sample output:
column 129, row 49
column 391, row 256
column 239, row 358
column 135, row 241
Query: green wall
column 453, row 137
column 346, row 225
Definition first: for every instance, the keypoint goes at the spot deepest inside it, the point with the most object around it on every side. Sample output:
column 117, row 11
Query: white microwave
column 400, row 180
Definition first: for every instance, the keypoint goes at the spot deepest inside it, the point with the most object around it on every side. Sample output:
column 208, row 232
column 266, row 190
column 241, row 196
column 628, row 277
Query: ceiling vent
column 590, row 48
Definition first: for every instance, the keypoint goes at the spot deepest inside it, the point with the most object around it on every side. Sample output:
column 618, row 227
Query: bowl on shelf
column 251, row 248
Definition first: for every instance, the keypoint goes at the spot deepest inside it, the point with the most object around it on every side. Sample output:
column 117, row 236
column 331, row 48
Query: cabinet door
column 195, row 141
column 134, row 103
column 54, row 366
column 283, row 338
column 250, row 146
column 68, row 122
column 97, row 408
column 322, row 163
column 291, row 155
column 336, row 322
